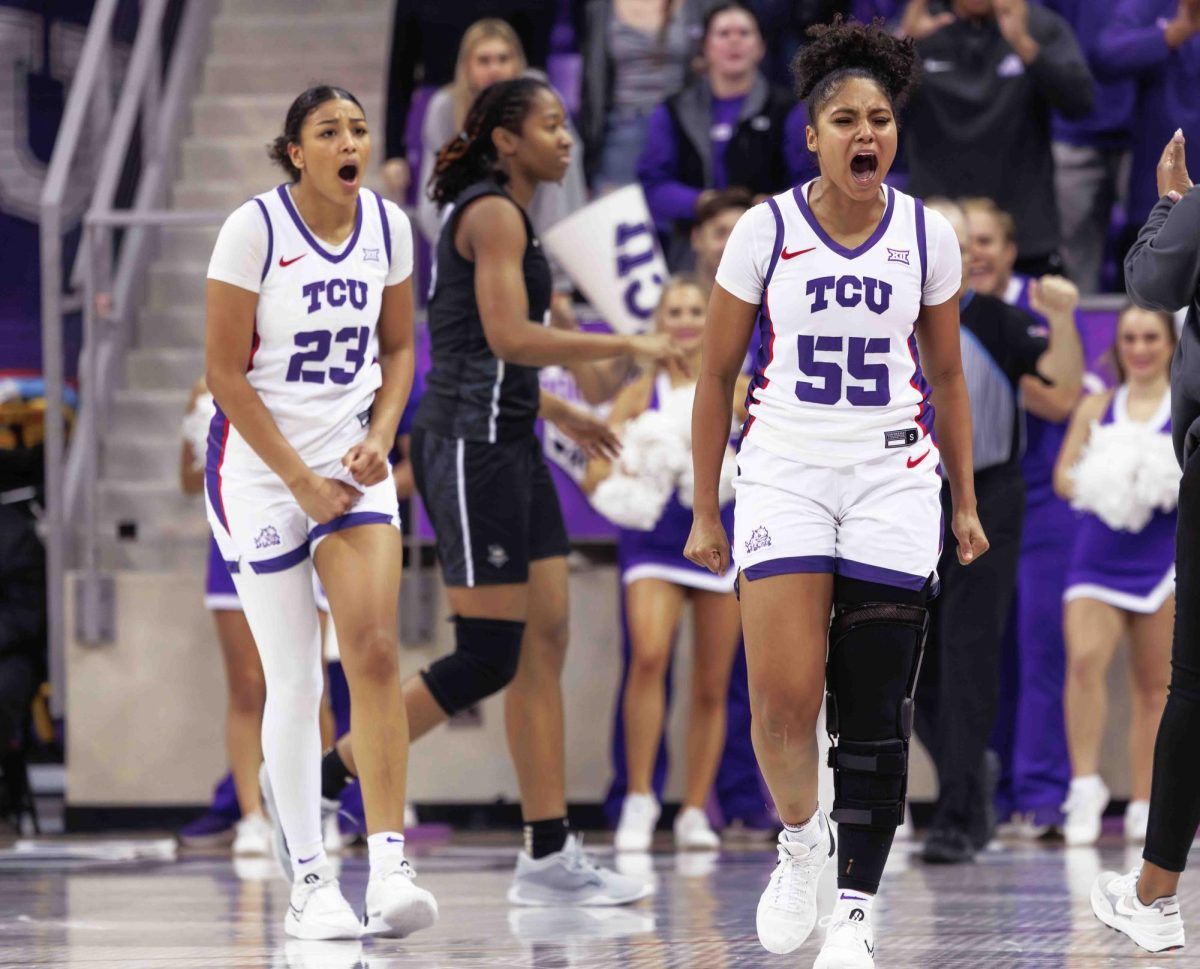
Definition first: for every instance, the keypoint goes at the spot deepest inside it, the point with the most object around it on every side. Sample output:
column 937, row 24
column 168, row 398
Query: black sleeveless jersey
column 469, row 392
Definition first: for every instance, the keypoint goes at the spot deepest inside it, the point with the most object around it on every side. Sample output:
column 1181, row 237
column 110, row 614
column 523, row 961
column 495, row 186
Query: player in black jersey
column 479, row 469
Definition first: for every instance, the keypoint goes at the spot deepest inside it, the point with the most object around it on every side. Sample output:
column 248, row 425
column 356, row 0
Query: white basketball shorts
column 878, row 521
column 259, row 525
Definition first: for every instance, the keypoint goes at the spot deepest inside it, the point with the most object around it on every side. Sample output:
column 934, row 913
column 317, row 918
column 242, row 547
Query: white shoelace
column 575, row 857
column 792, row 889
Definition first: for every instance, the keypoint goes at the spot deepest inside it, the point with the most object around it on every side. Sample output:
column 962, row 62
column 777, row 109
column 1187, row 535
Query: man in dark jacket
column 979, row 124
column 725, row 130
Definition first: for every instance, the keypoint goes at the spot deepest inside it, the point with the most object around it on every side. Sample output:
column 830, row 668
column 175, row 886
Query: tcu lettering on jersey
column 837, row 366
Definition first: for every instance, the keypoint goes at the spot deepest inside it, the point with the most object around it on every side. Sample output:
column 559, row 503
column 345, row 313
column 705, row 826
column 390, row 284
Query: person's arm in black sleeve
column 22, row 584
column 1052, row 58
column 1162, row 270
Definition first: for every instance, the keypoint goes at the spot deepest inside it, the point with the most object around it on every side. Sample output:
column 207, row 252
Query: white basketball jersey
column 314, row 358
column 837, row 378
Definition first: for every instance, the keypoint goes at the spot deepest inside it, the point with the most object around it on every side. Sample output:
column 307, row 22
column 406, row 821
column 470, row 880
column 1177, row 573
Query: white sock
column 307, row 859
column 849, row 902
column 386, row 850
column 810, row 833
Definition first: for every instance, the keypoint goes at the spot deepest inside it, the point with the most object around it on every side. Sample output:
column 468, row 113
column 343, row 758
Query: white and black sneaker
column 396, row 906
column 849, row 937
column 318, row 910
column 1156, row 927
column 787, row 911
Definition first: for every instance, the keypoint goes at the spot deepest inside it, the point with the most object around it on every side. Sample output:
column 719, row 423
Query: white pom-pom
column 631, row 502
column 1121, row 478
column 195, row 428
column 1157, row 484
column 652, row 447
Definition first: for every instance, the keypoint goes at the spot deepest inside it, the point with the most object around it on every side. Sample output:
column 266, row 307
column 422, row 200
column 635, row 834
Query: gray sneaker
column 1157, row 927
column 570, row 877
column 282, row 855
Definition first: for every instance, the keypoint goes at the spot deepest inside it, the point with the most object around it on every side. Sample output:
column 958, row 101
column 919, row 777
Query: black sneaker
column 948, row 846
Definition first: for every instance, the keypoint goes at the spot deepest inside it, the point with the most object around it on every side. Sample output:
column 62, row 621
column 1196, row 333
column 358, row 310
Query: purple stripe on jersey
column 778, row 247
column 877, row 573
column 918, row 382
column 218, row 435
column 234, row 568
column 286, row 196
column 790, row 566
column 281, row 562
column 766, row 353
column 350, row 521
column 270, row 239
column 921, row 251
column 387, row 232
column 829, row 241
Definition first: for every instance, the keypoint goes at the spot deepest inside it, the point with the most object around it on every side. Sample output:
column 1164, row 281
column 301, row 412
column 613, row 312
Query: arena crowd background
column 109, row 665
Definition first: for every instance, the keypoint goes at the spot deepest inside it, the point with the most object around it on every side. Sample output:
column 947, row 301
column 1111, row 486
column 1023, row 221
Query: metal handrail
column 105, row 335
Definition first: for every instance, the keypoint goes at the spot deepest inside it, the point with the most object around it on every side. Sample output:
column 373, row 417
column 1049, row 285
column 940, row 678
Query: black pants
column 960, row 679
column 1175, row 791
column 18, row 684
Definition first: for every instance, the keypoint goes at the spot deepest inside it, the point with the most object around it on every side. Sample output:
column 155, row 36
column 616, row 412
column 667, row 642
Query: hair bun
column 843, row 45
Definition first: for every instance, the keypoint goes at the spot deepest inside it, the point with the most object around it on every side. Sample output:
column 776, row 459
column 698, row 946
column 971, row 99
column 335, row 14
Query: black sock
column 335, row 775
column 545, row 837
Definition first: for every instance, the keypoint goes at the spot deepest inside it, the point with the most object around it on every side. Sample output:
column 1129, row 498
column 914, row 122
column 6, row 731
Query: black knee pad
column 484, row 661
column 874, row 657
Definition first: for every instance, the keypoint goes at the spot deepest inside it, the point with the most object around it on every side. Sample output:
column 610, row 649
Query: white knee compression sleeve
column 282, row 613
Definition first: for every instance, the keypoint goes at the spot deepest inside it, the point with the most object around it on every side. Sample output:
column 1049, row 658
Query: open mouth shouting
column 348, row 174
column 863, row 167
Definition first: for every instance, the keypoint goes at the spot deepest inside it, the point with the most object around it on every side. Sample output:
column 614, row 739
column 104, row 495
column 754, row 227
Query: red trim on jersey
column 755, row 383
column 912, row 382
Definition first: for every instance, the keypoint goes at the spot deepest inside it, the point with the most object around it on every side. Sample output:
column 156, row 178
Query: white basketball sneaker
column 787, row 910
column 1137, row 818
column 849, row 937
column 694, row 833
column 317, row 909
column 1156, row 927
column 639, row 815
column 253, row 837
column 396, row 906
column 1084, row 808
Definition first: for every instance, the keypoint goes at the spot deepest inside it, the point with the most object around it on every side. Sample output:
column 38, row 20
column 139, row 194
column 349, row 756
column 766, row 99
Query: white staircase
column 264, row 53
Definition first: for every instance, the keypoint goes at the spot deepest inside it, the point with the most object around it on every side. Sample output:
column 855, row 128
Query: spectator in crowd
column 715, row 219
column 726, row 129
column 956, row 701
column 1155, row 43
column 1121, row 580
column 658, row 581
column 636, row 54
column 1090, row 152
column 1030, row 735
column 979, row 123
column 424, row 51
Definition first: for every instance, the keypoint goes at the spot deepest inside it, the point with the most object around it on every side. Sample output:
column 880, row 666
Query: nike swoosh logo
column 395, row 841
column 284, row 263
column 870, row 948
column 913, row 464
column 798, row 252
column 305, row 861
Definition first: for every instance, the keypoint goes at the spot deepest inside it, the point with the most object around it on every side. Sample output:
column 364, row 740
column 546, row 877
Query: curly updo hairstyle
column 301, row 108
column 844, row 49
column 471, row 156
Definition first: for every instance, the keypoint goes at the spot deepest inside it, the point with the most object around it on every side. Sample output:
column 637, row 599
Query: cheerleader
column 658, row 581
column 1117, row 465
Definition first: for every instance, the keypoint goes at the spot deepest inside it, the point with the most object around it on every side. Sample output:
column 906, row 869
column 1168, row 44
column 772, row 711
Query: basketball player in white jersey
column 310, row 359
column 837, row 497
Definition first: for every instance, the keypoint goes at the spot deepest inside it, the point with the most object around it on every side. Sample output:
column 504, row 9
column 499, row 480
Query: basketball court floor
column 1022, row 906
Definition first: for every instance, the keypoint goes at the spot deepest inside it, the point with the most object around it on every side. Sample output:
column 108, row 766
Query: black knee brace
column 874, row 658
column 484, row 661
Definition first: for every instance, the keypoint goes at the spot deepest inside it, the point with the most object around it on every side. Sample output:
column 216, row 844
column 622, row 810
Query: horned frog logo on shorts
column 267, row 537
column 497, row 557
column 759, row 538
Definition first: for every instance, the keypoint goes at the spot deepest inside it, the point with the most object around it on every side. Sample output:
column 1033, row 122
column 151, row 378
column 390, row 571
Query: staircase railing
column 111, row 289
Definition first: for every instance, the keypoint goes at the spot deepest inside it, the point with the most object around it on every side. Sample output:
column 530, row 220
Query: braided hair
column 471, row 155
column 301, row 108
column 843, row 49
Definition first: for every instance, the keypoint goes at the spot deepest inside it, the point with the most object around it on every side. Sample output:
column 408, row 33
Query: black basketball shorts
column 493, row 507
